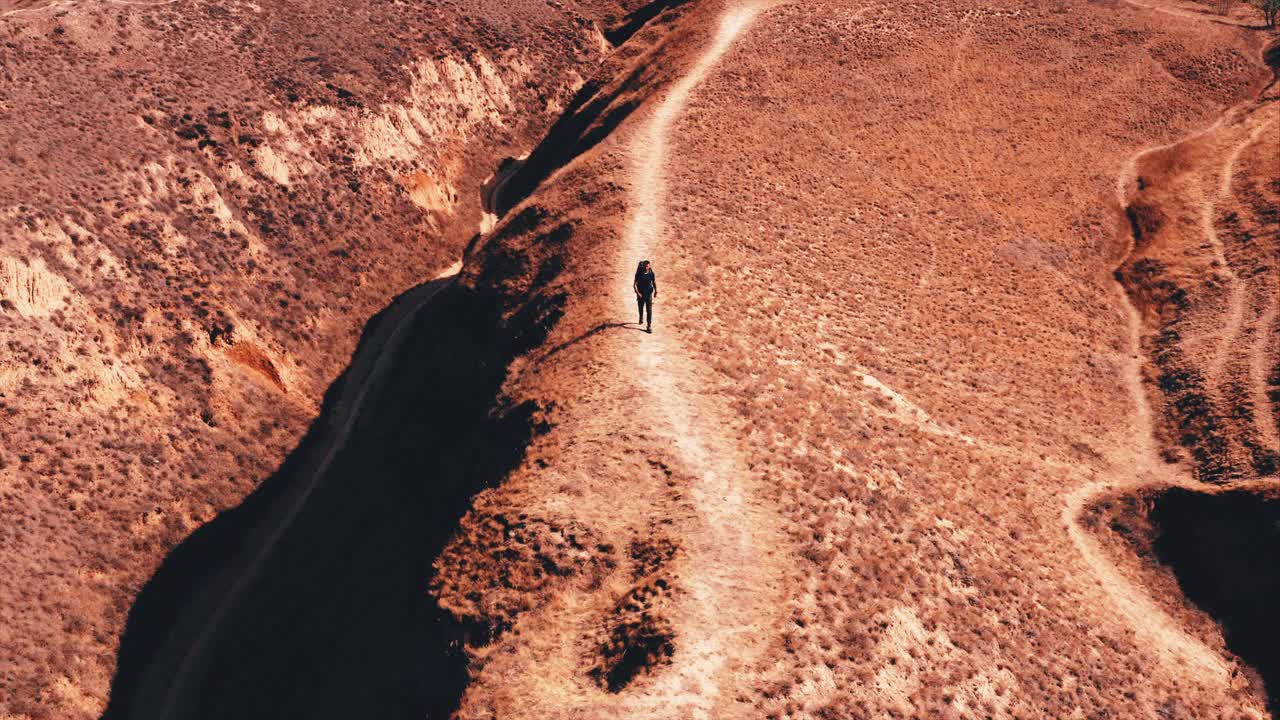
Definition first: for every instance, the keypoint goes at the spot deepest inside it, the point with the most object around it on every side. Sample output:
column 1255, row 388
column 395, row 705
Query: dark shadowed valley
column 322, row 393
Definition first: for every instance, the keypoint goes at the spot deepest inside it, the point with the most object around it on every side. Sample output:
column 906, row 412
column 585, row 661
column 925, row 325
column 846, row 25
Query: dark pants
column 645, row 302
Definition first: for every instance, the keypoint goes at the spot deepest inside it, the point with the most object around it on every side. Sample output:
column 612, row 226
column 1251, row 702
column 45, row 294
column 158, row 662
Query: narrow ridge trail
column 731, row 570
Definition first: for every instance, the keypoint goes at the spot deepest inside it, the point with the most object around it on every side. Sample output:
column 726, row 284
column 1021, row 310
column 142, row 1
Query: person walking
column 646, row 287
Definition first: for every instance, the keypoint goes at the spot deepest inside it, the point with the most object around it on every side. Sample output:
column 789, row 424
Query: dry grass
column 199, row 208
column 887, row 306
column 937, row 219
column 891, row 236
column 927, row 223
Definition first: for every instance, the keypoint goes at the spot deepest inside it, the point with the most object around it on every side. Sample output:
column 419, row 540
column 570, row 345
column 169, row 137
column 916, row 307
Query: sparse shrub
column 1270, row 10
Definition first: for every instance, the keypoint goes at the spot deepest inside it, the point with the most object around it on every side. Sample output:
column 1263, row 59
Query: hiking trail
column 1178, row 650
column 729, row 571
column 1236, row 306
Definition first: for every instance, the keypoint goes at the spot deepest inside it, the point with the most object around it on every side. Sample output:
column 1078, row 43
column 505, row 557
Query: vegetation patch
column 499, row 566
column 637, row 637
column 252, row 358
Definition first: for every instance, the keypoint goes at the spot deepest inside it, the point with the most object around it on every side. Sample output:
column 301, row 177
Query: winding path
column 1181, row 652
column 729, row 571
column 67, row 4
column 1260, row 360
column 1236, row 304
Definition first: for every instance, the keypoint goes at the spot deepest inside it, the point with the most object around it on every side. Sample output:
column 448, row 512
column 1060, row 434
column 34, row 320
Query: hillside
column 890, row 318
column 960, row 400
column 200, row 206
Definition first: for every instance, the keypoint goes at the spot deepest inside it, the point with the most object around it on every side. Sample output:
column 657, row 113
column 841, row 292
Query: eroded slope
column 888, row 251
column 200, row 204
column 1203, row 272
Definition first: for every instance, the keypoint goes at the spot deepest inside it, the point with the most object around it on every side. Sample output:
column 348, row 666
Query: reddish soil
column 961, row 308
column 1203, row 212
column 892, row 364
column 200, row 205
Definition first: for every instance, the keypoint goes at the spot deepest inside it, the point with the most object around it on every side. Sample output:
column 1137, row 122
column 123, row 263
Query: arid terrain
column 200, row 206
column 962, row 398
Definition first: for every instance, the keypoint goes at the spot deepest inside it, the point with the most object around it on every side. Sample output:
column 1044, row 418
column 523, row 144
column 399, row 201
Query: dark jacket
column 646, row 283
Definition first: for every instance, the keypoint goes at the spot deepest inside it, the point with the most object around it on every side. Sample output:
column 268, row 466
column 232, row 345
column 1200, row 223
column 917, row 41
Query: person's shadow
column 593, row 331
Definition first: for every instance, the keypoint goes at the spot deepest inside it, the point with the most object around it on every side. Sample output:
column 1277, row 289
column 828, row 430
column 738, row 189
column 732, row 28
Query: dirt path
column 1236, row 305
column 1189, row 14
column 1256, row 370
column 1260, row 356
column 41, row 8
column 68, row 4
column 728, row 573
column 1181, row 653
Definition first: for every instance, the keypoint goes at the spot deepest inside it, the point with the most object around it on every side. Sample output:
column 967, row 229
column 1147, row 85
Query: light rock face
column 200, row 205
column 32, row 289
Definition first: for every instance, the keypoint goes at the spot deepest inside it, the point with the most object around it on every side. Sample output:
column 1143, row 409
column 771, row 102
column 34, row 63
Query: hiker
column 646, row 287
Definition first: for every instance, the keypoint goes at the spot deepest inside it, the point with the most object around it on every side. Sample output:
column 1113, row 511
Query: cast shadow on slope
column 590, row 119
column 596, row 110
column 596, row 330
column 1224, row 549
column 622, row 31
column 336, row 622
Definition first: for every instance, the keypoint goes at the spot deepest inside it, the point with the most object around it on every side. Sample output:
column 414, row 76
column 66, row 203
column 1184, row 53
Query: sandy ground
column 723, row 566
column 889, row 318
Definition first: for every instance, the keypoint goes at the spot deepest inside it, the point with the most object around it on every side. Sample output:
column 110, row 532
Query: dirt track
column 1147, row 472
column 887, row 293
column 1209, row 157
column 840, row 306
column 726, row 565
